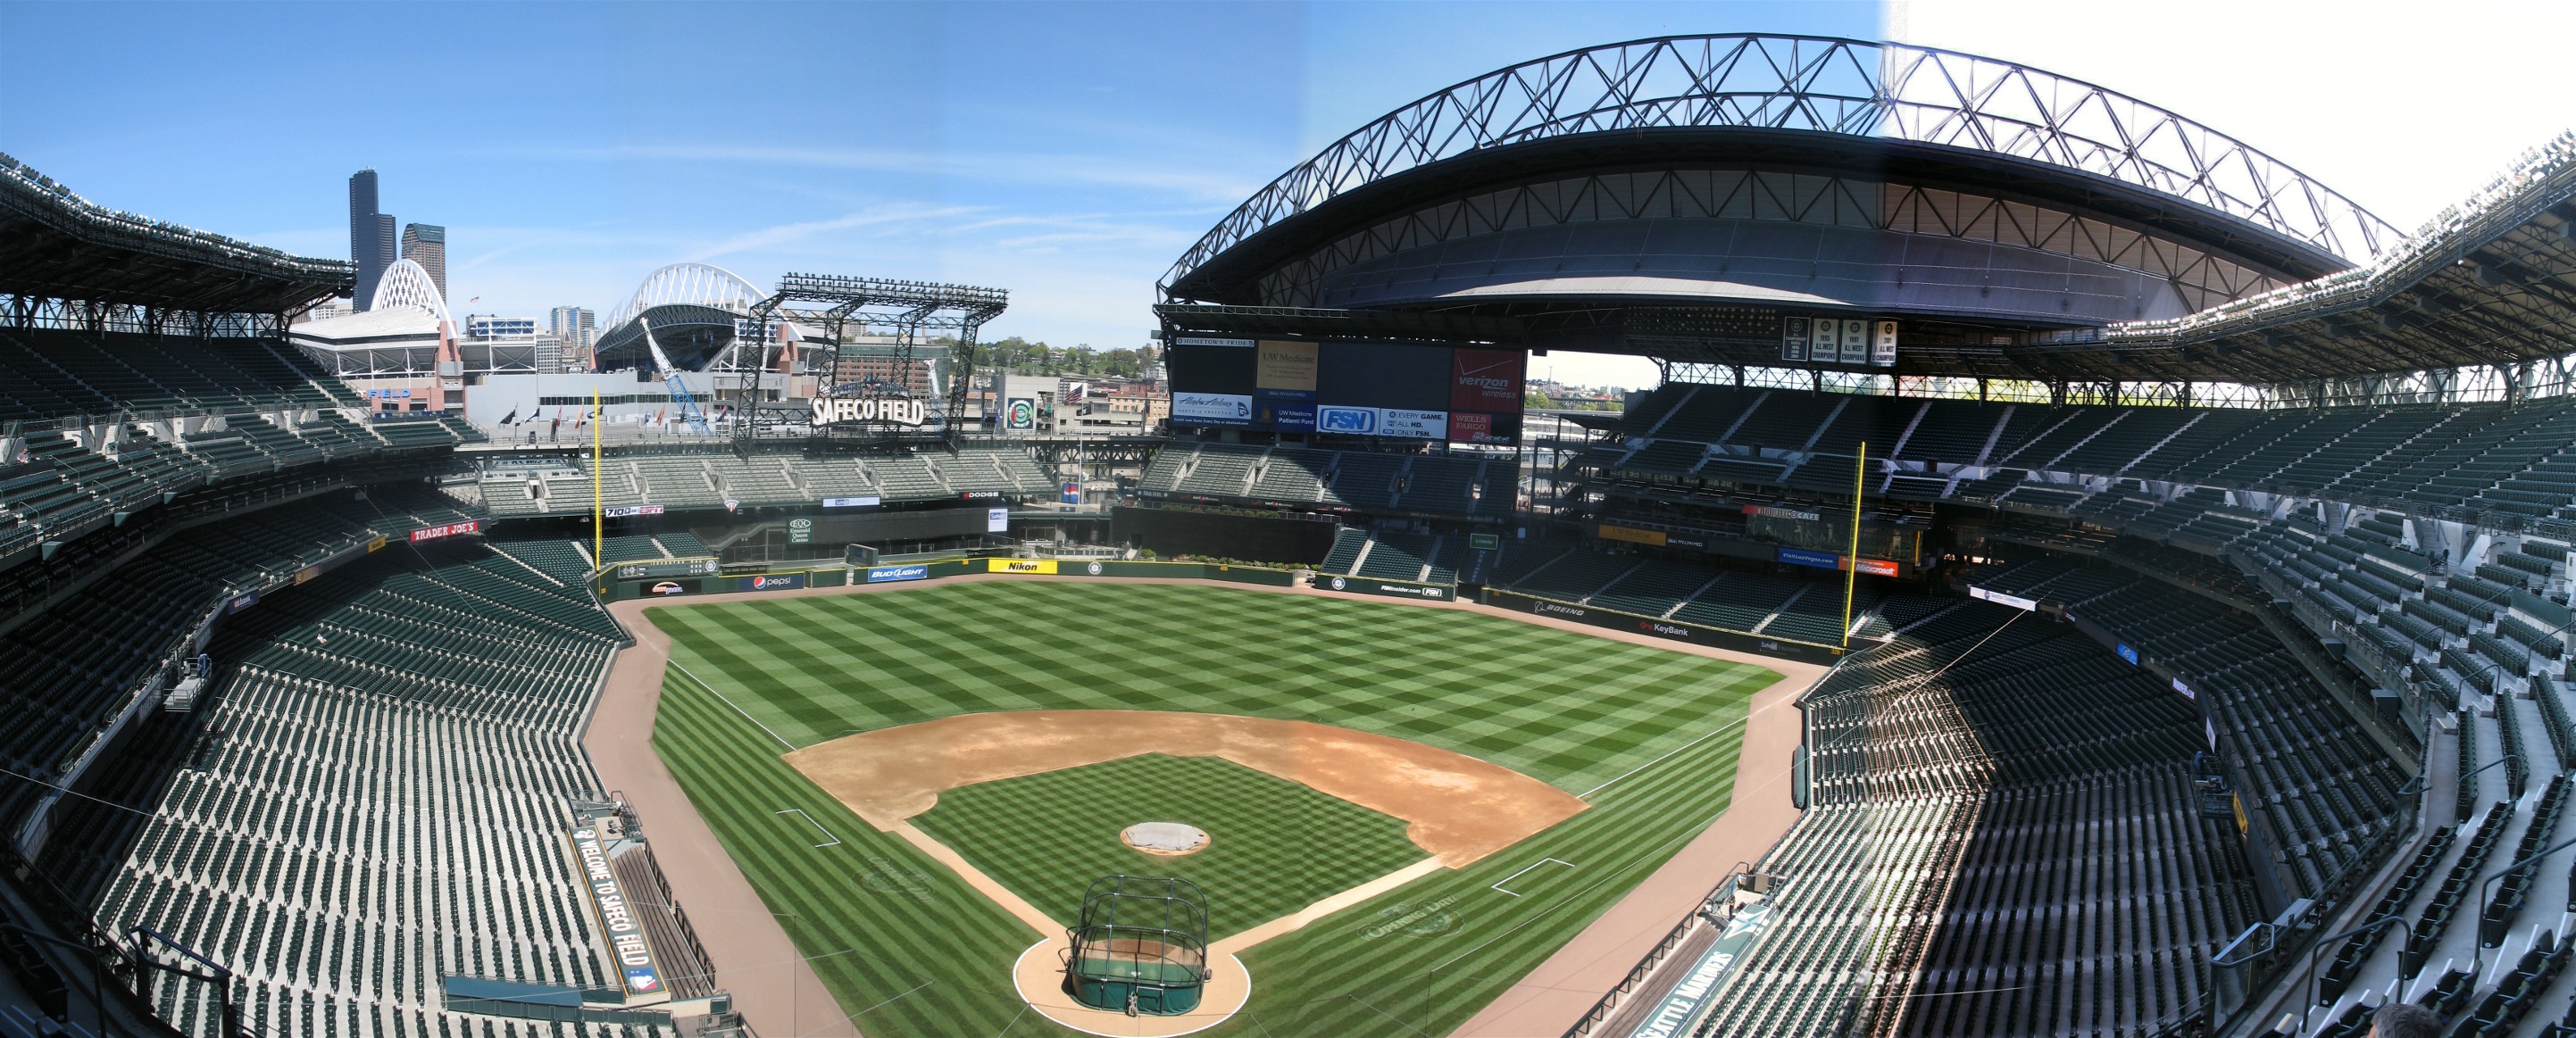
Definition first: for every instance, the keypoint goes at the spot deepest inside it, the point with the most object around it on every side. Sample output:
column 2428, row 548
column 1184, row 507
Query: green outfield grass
column 911, row 951
column 1274, row 846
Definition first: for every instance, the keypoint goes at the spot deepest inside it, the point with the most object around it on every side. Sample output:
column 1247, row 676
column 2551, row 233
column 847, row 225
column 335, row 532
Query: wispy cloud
column 781, row 234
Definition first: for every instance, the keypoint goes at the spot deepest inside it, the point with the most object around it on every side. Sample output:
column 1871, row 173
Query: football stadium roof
column 54, row 244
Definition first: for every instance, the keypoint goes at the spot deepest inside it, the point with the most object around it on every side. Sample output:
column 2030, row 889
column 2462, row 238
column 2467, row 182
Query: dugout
column 1139, row 947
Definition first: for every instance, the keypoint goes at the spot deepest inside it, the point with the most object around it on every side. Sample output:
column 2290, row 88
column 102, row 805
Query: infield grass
column 915, row 952
column 1274, row 846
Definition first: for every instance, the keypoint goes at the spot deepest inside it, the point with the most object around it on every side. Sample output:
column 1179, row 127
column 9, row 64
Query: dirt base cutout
column 1458, row 809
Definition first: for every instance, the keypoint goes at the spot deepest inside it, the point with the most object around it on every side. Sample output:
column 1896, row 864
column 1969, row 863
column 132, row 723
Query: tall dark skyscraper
column 371, row 237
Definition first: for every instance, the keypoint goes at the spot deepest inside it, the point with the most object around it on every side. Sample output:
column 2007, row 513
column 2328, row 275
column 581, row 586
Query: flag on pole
column 513, row 416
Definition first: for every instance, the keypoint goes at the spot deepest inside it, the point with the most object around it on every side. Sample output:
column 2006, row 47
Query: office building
column 426, row 244
column 371, row 240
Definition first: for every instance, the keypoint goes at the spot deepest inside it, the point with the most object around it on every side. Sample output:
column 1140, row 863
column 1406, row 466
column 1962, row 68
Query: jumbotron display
column 1460, row 395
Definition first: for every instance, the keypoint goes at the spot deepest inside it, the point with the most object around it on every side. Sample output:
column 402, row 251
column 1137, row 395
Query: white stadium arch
column 406, row 284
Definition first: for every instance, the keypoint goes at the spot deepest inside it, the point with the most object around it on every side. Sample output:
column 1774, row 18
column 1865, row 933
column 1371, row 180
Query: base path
column 1461, row 808
column 781, row 996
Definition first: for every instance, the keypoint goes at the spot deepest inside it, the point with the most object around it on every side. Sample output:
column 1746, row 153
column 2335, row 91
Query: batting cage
column 1140, row 946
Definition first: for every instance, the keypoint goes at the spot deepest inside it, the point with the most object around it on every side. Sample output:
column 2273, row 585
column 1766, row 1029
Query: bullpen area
column 1394, row 812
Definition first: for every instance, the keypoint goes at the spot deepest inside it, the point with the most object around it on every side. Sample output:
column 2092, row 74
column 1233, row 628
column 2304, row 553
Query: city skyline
column 1051, row 152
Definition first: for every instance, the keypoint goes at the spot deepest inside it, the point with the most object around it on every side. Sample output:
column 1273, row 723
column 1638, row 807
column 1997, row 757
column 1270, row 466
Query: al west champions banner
column 1352, row 389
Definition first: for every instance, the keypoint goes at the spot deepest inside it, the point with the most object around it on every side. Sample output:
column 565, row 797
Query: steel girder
column 1823, row 85
column 903, row 309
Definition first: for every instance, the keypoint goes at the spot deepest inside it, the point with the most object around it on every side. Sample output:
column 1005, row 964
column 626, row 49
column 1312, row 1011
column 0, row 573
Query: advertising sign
column 635, row 965
column 1201, row 341
column 1485, row 380
column 1413, row 425
column 1612, row 532
column 1470, row 427
column 1346, row 421
column 623, row 511
column 2127, row 652
column 1875, row 567
column 800, row 531
column 851, row 502
column 1212, row 408
column 376, row 544
column 431, row 533
column 1484, row 542
column 834, row 410
column 1072, row 494
column 1284, row 370
column 307, row 573
column 773, row 582
column 1020, row 414
column 883, row 574
column 1817, row 559
column 1020, row 565
column 2186, row 691
column 2001, row 599
column 1284, row 416
column 997, row 520
column 241, row 602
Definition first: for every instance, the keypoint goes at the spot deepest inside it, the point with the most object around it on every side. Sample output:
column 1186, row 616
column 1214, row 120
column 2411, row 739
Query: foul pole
column 599, row 532
column 1851, row 565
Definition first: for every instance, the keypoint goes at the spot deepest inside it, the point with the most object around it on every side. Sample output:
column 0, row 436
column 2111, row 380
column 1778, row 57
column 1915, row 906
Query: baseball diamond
column 1572, row 710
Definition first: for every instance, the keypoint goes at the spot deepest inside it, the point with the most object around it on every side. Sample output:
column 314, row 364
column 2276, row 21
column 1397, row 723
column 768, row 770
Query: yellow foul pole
column 598, row 532
column 1851, row 572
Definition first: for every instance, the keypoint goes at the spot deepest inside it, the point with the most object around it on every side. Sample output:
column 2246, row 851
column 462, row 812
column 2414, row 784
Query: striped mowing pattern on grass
column 918, row 953
column 1275, row 846
column 1566, row 708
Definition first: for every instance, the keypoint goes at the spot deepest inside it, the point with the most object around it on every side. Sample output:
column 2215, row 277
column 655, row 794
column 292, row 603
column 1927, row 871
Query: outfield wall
column 1785, row 648
column 1413, row 589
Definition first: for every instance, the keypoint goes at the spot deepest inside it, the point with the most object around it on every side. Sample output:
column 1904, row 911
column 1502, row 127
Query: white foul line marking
column 1498, row 884
column 818, row 827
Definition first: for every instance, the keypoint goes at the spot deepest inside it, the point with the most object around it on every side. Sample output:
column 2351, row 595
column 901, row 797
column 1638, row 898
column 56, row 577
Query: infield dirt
column 1459, row 808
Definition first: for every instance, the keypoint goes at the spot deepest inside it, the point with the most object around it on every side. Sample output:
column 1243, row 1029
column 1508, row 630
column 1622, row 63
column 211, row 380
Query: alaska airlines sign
column 831, row 410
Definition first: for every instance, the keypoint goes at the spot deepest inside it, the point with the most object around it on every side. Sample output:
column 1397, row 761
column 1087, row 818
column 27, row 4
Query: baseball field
column 914, row 908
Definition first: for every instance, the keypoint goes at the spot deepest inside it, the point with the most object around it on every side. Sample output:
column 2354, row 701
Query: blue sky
column 1067, row 152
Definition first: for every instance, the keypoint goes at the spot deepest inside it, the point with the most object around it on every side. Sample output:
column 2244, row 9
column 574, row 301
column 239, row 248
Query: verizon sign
column 1486, row 380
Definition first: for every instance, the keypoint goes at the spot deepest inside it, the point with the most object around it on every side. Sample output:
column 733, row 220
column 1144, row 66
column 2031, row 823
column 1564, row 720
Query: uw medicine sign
column 636, row 969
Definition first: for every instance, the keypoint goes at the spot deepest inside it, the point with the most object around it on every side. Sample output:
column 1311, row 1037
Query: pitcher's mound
column 1169, row 839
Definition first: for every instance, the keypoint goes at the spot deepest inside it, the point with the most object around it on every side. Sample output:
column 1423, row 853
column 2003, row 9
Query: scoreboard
column 1423, row 392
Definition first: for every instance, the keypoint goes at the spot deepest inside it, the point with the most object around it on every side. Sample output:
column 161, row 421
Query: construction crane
column 671, row 377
